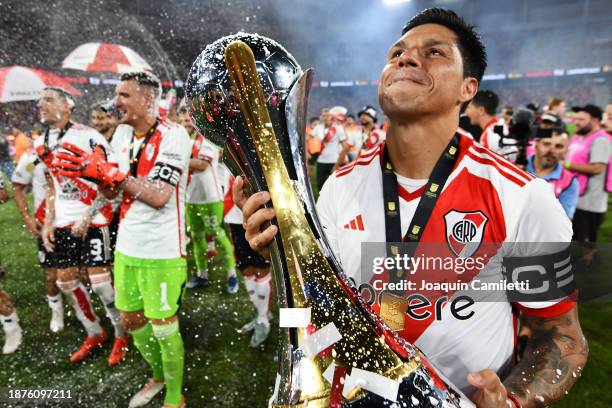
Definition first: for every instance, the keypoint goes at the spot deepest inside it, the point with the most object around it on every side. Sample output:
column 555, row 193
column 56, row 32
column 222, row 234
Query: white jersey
column 497, row 201
column 205, row 186
column 231, row 213
column 493, row 141
column 331, row 140
column 73, row 197
column 31, row 171
column 146, row 232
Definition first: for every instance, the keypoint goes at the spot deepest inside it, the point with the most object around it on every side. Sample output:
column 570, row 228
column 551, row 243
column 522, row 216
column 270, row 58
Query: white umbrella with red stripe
column 102, row 57
column 27, row 84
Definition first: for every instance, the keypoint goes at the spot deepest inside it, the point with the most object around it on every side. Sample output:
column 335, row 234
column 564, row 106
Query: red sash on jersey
column 145, row 165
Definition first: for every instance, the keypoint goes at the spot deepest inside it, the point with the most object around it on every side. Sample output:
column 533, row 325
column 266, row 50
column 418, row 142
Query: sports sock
column 173, row 359
column 10, row 323
column 55, row 302
column 102, row 285
column 79, row 298
column 263, row 298
column 147, row 344
column 251, row 287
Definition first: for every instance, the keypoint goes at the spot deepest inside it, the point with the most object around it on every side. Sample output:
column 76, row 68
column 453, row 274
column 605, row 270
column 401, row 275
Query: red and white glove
column 90, row 166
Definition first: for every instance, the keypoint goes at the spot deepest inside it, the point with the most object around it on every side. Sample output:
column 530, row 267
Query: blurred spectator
column 22, row 143
column 557, row 107
column 589, row 161
column 6, row 161
column 608, row 121
column 333, row 142
column 353, row 137
column 506, row 115
column 546, row 164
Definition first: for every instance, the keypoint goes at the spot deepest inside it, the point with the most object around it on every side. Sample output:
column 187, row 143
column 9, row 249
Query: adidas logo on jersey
column 355, row 224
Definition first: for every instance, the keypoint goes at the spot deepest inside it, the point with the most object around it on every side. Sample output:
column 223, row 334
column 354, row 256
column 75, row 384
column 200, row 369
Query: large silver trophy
column 248, row 95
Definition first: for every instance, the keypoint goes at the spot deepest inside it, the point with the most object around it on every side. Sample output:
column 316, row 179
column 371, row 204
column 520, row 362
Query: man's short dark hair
column 488, row 100
column 183, row 110
column 473, row 52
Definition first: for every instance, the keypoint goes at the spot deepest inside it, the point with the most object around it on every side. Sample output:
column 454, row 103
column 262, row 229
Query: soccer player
column 8, row 313
column 333, row 141
column 443, row 187
column 371, row 136
column 205, row 211
column 30, row 171
column 255, row 270
column 150, row 269
column 74, row 233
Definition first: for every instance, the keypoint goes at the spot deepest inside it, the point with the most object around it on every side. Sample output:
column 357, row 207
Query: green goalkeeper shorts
column 153, row 285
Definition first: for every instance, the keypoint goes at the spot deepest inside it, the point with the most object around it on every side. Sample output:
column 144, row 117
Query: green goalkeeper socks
column 173, row 359
column 147, row 344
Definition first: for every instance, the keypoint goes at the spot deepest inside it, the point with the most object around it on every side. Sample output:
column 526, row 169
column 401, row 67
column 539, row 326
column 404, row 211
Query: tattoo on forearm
column 553, row 361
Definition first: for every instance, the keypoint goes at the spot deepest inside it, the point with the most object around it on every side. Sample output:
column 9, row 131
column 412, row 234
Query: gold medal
column 393, row 311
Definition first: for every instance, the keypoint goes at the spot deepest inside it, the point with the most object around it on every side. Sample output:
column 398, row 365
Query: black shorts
column 586, row 226
column 43, row 256
column 70, row 251
column 245, row 256
column 113, row 229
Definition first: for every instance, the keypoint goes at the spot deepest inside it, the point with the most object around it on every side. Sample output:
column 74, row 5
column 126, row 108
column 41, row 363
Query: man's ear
column 469, row 87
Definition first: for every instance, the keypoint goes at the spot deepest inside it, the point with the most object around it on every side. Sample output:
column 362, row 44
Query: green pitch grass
column 221, row 370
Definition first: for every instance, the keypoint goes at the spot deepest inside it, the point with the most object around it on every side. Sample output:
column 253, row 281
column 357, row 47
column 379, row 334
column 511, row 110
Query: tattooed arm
column 553, row 360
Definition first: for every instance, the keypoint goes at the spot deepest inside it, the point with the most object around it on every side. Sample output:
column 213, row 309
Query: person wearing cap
column 590, row 151
column 371, row 136
column 333, row 142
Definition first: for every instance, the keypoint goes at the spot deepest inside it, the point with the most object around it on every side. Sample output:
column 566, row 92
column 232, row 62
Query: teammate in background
column 439, row 176
column 371, row 136
column 481, row 111
column 353, row 137
column 590, row 150
column 100, row 120
column 547, row 164
column 150, row 269
column 30, row 172
column 205, row 211
column 8, row 313
column 506, row 115
column 255, row 270
column 75, row 233
column 333, row 140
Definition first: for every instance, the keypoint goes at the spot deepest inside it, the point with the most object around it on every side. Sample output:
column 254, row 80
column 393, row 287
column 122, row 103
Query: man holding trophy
column 429, row 177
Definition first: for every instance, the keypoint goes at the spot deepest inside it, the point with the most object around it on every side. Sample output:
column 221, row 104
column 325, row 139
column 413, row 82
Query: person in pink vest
column 588, row 157
column 546, row 164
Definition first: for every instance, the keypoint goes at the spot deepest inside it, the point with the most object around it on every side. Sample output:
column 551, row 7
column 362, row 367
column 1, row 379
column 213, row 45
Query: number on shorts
column 96, row 249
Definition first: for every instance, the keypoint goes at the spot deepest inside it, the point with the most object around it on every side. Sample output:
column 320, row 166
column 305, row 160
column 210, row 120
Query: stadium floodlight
column 394, row 2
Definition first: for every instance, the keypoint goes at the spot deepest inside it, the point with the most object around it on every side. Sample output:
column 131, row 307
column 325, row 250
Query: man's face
column 52, row 107
column 507, row 114
column 550, row 150
column 424, row 74
column 314, row 123
column 350, row 121
column 99, row 121
column 365, row 120
column 186, row 122
column 474, row 112
column 133, row 102
column 112, row 121
column 326, row 118
column 584, row 123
